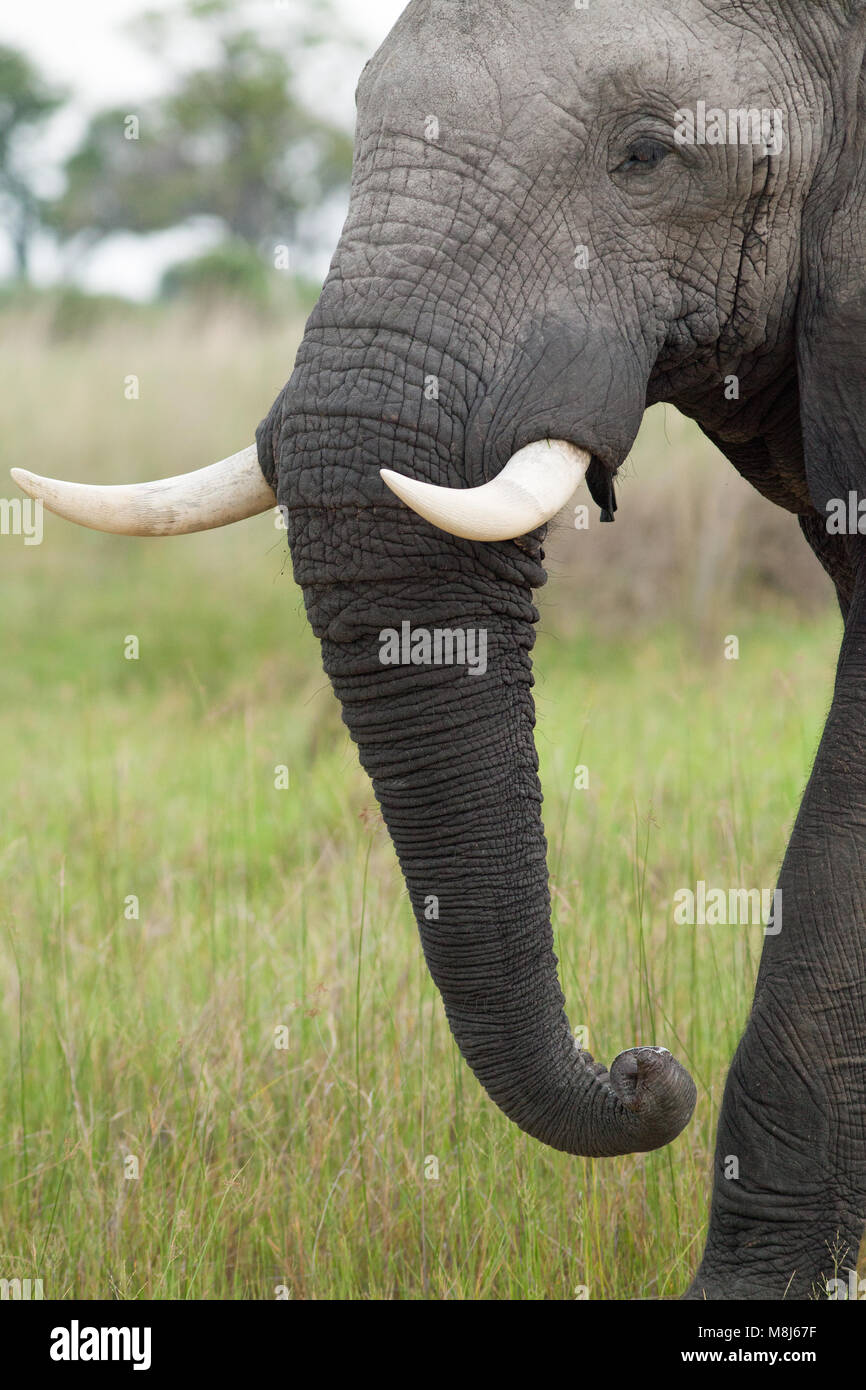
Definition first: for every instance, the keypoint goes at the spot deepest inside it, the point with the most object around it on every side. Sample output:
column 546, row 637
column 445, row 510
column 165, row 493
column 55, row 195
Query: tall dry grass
column 155, row 1140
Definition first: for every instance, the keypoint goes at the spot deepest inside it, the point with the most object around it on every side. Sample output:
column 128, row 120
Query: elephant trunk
column 427, row 641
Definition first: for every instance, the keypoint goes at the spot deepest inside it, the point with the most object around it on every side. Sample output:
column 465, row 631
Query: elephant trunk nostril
column 650, row 1081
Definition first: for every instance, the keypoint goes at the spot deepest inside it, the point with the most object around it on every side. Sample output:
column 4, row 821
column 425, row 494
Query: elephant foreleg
column 789, row 1189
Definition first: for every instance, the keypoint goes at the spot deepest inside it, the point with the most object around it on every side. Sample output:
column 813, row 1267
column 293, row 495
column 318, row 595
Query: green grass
column 154, row 1039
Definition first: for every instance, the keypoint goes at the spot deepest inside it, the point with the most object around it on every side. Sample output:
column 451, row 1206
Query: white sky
column 82, row 45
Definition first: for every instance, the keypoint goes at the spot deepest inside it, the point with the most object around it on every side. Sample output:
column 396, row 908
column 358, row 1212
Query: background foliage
column 307, row 1168
column 303, row 1168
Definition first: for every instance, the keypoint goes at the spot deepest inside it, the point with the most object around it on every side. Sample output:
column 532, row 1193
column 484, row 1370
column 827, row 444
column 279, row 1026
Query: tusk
column 230, row 490
column 534, row 485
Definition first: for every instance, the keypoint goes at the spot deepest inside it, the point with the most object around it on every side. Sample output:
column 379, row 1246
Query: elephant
column 561, row 214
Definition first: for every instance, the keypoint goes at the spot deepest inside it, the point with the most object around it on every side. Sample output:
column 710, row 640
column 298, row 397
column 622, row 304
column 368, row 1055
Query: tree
column 233, row 141
column 26, row 101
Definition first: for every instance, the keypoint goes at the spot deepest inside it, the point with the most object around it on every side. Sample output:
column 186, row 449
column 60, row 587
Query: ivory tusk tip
column 223, row 492
column 407, row 489
column 28, row 482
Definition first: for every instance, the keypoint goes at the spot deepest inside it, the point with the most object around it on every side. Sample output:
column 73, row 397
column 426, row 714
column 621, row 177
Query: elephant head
column 558, row 216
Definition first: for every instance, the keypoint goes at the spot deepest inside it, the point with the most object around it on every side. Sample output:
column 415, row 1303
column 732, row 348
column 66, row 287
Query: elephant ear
column 831, row 313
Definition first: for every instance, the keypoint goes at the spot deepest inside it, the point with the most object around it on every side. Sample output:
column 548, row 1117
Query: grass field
column 156, row 1142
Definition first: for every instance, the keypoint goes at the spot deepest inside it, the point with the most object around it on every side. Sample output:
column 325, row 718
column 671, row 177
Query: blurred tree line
column 233, row 141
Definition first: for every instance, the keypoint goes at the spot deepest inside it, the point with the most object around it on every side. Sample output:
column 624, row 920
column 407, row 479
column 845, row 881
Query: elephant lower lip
column 600, row 480
column 607, row 464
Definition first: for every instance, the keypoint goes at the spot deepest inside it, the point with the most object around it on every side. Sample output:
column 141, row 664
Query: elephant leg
column 789, row 1190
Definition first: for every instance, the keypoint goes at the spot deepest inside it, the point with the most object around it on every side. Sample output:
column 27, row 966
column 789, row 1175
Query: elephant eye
column 643, row 157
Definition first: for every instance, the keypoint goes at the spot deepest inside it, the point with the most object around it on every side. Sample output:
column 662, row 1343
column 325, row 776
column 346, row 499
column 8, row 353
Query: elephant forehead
column 490, row 68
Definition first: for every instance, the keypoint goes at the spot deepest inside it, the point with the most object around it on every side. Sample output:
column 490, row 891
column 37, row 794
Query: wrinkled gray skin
column 457, row 260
